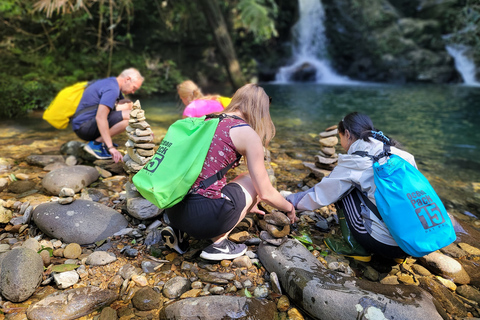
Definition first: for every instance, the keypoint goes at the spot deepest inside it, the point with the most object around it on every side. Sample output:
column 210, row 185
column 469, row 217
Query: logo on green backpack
column 153, row 164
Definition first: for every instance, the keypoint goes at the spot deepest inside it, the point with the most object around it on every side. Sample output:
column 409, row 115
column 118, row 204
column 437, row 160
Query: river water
column 438, row 124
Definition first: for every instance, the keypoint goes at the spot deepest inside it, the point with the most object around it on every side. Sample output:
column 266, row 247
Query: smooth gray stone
column 76, row 178
column 81, row 221
column 71, row 304
column 329, row 295
column 219, row 307
column 21, row 274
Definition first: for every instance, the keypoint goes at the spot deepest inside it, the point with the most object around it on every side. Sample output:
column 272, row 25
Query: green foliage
column 256, row 17
column 20, row 95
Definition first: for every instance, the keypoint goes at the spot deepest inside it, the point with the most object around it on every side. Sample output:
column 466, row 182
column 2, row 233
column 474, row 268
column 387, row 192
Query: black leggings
column 351, row 206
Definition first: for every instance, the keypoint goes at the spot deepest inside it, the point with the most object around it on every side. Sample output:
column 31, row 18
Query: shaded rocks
column 147, row 299
column 21, row 186
column 20, row 274
column 44, row 160
column 277, row 224
column 326, row 294
column 75, row 177
column 446, row 267
column 139, row 207
column 81, row 221
column 71, row 304
column 220, row 307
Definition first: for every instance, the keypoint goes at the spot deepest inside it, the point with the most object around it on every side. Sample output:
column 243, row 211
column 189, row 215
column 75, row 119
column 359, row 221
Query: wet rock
column 216, row 277
column 43, row 160
column 20, row 274
column 175, row 287
column 146, row 299
column 21, row 186
column 142, row 209
column 420, row 270
column 453, row 250
column 325, row 294
column 81, row 222
column 76, row 178
column 473, row 269
column 71, row 304
column 471, row 250
column 446, row 298
column 445, row 266
column 220, row 307
column 469, row 293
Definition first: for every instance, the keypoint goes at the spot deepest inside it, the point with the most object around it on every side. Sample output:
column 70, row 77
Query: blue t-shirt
column 104, row 91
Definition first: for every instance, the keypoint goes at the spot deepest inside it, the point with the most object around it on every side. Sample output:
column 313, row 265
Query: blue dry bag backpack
column 408, row 205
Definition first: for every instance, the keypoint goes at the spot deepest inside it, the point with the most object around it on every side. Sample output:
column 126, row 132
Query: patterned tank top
column 222, row 152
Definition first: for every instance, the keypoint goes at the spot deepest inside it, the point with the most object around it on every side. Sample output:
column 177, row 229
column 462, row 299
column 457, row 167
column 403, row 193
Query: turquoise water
column 438, row 124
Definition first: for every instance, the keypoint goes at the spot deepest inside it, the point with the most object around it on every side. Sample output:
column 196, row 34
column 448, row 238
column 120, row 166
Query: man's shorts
column 88, row 131
column 204, row 218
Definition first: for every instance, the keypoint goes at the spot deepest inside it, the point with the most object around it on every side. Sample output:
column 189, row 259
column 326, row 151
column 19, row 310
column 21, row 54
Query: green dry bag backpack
column 176, row 165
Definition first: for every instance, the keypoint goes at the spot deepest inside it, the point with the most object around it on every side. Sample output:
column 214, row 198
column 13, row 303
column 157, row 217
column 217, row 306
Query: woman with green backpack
column 211, row 213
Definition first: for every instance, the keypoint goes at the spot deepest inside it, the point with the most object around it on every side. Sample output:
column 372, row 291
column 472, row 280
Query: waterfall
column 309, row 53
column 464, row 65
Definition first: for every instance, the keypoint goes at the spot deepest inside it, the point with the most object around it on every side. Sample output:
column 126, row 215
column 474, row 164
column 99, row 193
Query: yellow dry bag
column 64, row 105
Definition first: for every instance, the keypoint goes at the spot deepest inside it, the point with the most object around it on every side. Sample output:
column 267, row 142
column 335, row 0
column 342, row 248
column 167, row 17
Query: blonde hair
column 189, row 90
column 254, row 104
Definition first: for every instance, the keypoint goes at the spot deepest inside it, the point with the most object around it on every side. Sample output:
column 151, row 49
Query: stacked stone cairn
column 140, row 149
column 140, row 146
column 327, row 158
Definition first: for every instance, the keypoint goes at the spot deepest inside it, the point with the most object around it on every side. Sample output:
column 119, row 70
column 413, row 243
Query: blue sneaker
column 97, row 149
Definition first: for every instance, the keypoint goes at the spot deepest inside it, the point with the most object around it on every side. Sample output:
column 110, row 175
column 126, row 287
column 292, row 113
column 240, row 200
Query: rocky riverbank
column 73, row 246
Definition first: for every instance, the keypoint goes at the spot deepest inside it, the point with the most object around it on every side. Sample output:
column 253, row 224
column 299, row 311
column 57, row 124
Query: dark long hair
column 361, row 126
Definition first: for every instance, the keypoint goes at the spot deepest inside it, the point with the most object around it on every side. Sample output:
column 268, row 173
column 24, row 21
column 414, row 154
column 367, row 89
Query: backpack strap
column 385, row 153
column 204, row 184
column 368, row 203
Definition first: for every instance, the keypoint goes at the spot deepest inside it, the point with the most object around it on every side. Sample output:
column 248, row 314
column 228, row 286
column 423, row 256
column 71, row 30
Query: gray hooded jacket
column 351, row 171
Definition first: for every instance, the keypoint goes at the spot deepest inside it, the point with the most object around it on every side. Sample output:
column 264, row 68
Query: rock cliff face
column 391, row 41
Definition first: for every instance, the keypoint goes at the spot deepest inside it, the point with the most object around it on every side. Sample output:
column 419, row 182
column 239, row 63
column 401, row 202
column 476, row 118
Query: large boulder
column 75, row 177
column 20, row 274
column 328, row 295
column 81, row 221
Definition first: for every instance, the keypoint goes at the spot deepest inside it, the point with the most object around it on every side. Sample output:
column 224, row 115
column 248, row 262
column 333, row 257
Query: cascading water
column 465, row 66
column 309, row 53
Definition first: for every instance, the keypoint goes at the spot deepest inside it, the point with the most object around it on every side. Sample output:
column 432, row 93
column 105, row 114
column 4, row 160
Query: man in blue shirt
column 102, row 114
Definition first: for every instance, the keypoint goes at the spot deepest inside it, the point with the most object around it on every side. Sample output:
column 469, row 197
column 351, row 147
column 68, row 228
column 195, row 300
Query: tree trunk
column 215, row 18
